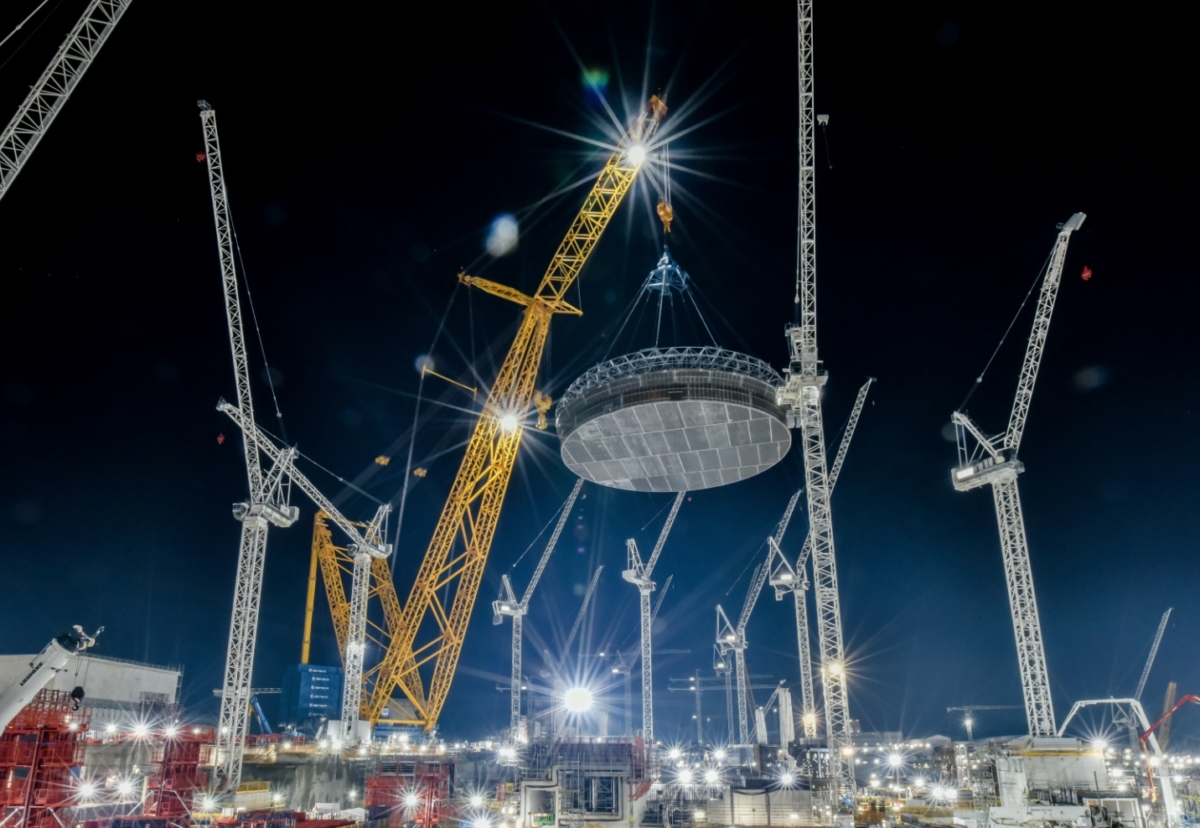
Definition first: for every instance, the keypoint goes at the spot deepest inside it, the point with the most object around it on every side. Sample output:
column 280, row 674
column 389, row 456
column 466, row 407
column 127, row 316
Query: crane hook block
column 542, row 403
column 666, row 214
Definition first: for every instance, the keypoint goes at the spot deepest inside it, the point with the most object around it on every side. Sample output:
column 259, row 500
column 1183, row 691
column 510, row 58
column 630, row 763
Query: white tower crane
column 366, row 544
column 639, row 574
column 730, row 637
column 800, row 397
column 46, row 97
column 268, row 502
column 626, row 660
column 788, row 579
column 1162, row 626
column 516, row 610
column 992, row 460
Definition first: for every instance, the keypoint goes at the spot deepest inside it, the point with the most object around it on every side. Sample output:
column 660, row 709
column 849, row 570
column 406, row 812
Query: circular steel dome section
column 673, row 419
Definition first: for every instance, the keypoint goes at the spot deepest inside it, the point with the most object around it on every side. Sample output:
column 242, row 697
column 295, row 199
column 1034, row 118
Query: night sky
column 367, row 152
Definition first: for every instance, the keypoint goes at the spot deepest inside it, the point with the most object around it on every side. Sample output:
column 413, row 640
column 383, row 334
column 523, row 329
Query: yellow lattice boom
column 462, row 539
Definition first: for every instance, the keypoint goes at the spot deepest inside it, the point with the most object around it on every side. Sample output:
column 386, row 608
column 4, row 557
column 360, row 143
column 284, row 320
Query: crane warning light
column 220, row 439
column 200, row 157
column 383, row 460
column 1086, row 275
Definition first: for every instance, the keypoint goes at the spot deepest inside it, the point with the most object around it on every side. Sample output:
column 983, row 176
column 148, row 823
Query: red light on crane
column 1086, row 275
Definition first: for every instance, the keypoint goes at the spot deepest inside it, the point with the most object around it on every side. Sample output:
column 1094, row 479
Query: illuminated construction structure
column 41, row 753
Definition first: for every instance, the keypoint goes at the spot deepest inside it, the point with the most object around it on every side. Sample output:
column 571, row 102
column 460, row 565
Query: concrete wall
column 306, row 779
column 105, row 681
column 760, row 808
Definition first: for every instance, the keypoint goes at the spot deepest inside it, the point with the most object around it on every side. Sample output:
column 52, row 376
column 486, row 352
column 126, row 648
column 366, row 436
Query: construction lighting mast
column 800, row 397
column 730, row 637
column 639, row 574
column 510, row 606
column 46, row 97
column 267, row 504
column 793, row 579
column 992, row 460
column 457, row 553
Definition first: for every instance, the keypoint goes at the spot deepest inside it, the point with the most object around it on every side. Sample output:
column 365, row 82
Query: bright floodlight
column 711, row 777
column 919, row 782
column 895, row 760
column 578, row 699
column 476, row 801
column 509, row 422
column 787, row 780
column 208, row 804
column 124, row 787
column 685, row 777
column 1099, row 744
column 87, row 790
column 411, row 800
column 719, row 755
column 674, row 753
column 140, row 730
column 636, row 155
column 171, row 732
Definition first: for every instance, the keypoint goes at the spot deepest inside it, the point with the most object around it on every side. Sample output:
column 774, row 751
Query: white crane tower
column 730, row 637
column 267, row 504
column 800, row 397
column 793, row 579
column 992, row 461
column 516, row 610
column 639, row 574
column 46, row 97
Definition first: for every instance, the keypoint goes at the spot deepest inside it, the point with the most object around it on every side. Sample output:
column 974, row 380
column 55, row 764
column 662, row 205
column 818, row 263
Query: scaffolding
column 41, row 752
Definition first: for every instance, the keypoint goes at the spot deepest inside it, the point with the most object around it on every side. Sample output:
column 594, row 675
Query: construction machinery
column 1169, row 707
column 731, row 637
column 800, row 397
column 53, row 659
column 472, row 510
column 992, row 460
column 435, row 615
column 508, row 605
column 640, row 575
column 624, row 661
column 47, row 97
column 1124, row 717
column 268, row 503
column 1151, row 748
column 787, row 724
column 786, row 578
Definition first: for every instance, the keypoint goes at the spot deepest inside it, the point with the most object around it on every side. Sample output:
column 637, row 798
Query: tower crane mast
column 268, row 502
column 731, row 637
column 793, row 579
column 516, row 610
column 46, row 97
column 462, row 538
column 639, row 574
column 993, row 461
column 800, row 397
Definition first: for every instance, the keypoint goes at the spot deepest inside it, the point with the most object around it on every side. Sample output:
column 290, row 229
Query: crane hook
column 666, row 214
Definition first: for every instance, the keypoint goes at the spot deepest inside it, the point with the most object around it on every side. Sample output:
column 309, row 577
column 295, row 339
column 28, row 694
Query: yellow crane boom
column 429, row 628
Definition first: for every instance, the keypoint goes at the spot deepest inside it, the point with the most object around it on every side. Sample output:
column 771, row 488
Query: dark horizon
column 365, row 160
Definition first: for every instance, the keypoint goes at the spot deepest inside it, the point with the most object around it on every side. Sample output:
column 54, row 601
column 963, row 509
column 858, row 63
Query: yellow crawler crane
column 430, row 629
column 336, row 566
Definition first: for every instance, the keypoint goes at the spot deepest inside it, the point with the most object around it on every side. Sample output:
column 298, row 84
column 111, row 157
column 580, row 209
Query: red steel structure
column 171, row 791
column 41, row 751
column 407, row 792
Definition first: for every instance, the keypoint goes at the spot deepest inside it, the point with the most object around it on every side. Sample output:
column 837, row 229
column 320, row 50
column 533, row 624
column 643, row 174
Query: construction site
column 376, row 711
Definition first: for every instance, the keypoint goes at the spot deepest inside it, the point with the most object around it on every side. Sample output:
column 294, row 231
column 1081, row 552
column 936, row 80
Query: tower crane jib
column 47, row 97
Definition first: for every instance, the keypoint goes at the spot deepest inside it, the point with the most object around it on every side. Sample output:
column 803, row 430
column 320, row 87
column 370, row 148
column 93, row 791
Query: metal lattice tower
column 993, row 461
column 733, row 638
column 267, row 503
column 47, row 97
column 517, row 610
column 801, row 396
column 793, row 579
column 639, row 574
